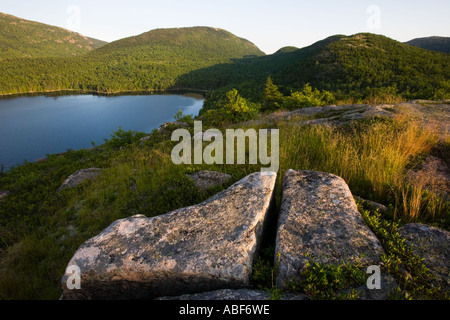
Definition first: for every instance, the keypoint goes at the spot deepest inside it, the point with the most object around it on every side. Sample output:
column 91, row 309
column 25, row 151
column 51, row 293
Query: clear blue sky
column 268, row 24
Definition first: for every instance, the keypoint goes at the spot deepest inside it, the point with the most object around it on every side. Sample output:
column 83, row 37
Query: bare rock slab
column 433, row 245
column 236, row 295
column 205, row 180
column 224, row 295
column 387, row 285
column 206, row 247
column 79, row 177
column 319, row 220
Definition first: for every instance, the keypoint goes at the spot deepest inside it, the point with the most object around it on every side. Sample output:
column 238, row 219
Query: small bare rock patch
column 205, row 180
column 80, row 176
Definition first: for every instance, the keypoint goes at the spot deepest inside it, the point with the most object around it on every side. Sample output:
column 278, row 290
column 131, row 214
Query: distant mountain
column 21, row 38
column 211, row 41
column 361, row 61
column 287, row 49
column 441, row 44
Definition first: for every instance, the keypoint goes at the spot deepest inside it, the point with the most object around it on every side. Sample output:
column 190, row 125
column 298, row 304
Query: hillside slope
column 355, row 65
column 368, row 61
column 21, row 38
column 212, row 40
column 204, row 58
column 441, row 44
column 148, row 62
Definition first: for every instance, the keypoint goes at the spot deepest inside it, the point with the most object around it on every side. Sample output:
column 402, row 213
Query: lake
column 33, row 126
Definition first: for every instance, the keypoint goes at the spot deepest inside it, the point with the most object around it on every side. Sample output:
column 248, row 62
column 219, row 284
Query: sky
column 270, row 25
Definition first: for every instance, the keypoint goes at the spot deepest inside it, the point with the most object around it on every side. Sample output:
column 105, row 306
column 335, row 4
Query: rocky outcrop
column 205, row 180
column 433, row 245
column 164, row 129
column 201, row 248
column 207, row 251
column 433, row 174
column 434, row 115
column 387, row 286
column 178, row 124
column 369, row 112
column 79, row 177
column 377, row 206
column 332, row 115
column 319, row 220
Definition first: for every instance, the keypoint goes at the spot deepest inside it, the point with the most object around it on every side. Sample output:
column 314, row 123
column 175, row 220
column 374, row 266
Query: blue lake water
column 32, row 127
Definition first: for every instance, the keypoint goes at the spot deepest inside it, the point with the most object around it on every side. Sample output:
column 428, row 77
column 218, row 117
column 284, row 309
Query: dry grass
column 373, row 158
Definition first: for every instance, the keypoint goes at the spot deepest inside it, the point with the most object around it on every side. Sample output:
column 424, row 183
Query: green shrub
column 328, row 282
column 232, row 109
column 121, row 138
column 307, row 97
column 414, row 279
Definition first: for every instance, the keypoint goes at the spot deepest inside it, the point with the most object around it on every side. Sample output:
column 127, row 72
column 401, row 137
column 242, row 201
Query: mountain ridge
column 207, row 58
column 358, row 65
column 433, row 43
column 21, row 38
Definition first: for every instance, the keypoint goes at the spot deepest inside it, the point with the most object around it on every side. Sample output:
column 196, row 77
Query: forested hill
column 367, row 61
column 21, row 38
column 151, row 61
column 357, row 65
column 441, row 44
column 204, row 58
column 215, row 42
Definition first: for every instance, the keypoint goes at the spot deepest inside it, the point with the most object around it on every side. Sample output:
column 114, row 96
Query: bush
column 232, row 109
column 122, row 138
column 307, row 97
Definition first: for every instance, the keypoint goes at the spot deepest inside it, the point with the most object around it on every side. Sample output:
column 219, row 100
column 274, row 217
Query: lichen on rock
column 204, row 247
column 319, row 220
column 433, row 245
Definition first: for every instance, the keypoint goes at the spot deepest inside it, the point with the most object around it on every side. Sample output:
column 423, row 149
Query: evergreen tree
column 272, row 96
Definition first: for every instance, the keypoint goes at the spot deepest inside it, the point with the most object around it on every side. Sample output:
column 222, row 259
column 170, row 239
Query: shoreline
column 64, row 92
column 61, row 93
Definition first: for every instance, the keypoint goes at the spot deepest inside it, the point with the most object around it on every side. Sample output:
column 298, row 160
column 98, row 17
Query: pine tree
column 272, row 96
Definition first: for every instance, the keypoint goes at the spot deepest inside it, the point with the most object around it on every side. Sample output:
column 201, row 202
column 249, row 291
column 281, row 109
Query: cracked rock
column 204, row 180
column 319, row 220
column 204, row 247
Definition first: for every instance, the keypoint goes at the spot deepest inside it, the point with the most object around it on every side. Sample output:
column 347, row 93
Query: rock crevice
column 204, row 247
column 207, row 251
column 319, row 220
